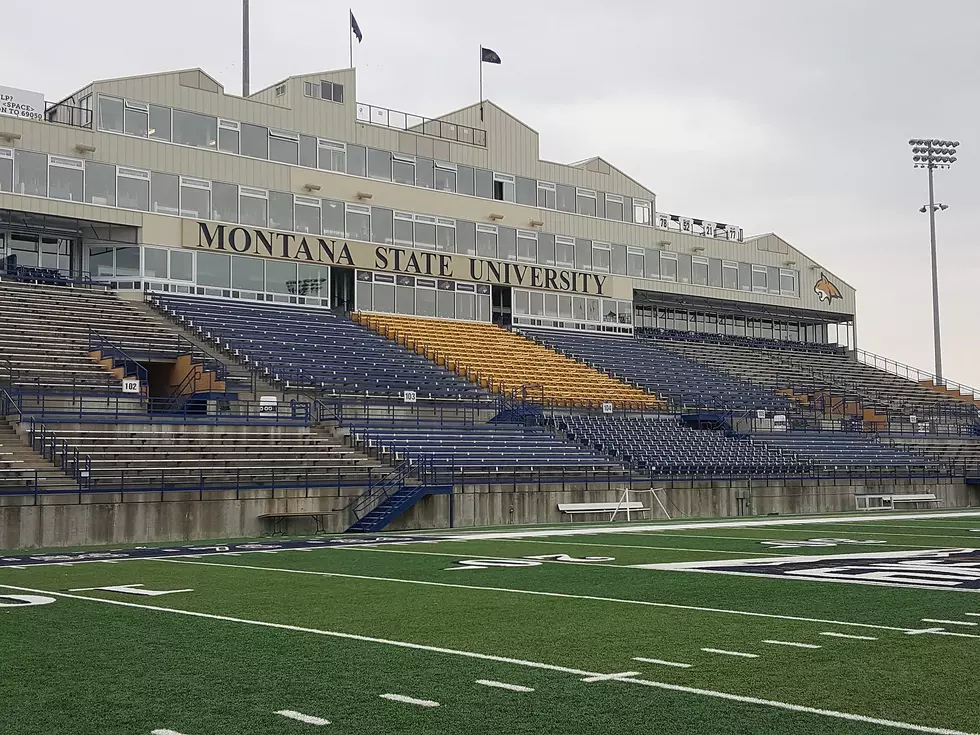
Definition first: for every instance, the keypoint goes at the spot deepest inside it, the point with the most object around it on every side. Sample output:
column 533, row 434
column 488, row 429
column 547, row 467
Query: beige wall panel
column 69, row 209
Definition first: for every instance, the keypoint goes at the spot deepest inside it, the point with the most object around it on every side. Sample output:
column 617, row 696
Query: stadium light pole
column 930, row 155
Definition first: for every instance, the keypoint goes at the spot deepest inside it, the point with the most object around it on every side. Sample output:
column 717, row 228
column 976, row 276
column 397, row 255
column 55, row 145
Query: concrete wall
column 151, row 517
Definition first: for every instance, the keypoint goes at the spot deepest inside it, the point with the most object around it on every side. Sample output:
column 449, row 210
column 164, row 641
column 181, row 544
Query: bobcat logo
column 826, row 290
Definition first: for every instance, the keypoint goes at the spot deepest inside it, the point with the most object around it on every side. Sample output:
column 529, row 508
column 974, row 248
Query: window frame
column 200, row 185
column 590, row 194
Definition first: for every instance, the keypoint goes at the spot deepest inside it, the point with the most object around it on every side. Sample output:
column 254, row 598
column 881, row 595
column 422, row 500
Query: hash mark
column 165, row 732
column 410, row 700
column 504, row 685
column 300, row 717
column 610, row 677
column 849, row 636
column 793, row 644
column 662, row 662
column 730, row 653
column 949, row 622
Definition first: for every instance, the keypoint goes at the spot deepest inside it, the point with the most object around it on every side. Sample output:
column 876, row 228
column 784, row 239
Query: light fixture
column 536, row 223
column 363, row 195
column 698, row 248
column 84, row 148
column 789, row 263
column 9, row 137
column 664, row 244
column 150, row 132
column 311, row 187
column 494, row 216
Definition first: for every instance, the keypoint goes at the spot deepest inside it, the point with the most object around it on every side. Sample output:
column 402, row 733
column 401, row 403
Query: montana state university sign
column 344, row 253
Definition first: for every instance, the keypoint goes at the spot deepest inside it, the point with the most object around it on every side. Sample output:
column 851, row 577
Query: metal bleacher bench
column 573, row 509
column 278, row 520
column 887, row 501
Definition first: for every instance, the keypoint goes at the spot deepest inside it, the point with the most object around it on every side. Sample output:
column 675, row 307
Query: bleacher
column 835, row 450
column 959, row 452
column 480, row 447
column 503, row 361
column 665, row 447
column 684, row 381
column 313, row 349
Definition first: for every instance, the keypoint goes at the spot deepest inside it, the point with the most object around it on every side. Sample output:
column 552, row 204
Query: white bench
column 887, row 501
column 573, row 509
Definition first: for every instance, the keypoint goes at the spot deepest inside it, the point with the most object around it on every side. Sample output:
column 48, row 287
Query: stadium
column 293, row 322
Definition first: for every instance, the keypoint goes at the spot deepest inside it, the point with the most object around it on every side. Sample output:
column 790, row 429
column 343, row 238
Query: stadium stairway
column 22, row 469
column 504, row 362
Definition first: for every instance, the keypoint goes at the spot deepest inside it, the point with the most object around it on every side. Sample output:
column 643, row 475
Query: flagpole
column 244, row 48
column 481, row 82
column 350, row 39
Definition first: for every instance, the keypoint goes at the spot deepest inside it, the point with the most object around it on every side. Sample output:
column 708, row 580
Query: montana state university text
column 313, row 249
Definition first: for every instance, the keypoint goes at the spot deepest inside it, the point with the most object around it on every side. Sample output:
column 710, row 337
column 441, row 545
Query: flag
column 356, row 29
column 488, row 56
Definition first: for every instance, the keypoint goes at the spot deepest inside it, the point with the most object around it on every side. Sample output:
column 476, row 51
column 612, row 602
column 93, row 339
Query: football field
column 848, row 625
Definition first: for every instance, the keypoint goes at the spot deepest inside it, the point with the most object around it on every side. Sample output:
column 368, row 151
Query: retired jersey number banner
column 949, row 569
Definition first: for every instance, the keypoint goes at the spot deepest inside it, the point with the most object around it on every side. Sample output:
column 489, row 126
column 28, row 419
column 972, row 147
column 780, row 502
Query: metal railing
column 388, row 118
column 98, row 342
column 916, row 375
column 64, row 114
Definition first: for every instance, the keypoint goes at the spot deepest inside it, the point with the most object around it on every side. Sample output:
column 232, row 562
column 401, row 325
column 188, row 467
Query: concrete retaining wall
column 61, row 521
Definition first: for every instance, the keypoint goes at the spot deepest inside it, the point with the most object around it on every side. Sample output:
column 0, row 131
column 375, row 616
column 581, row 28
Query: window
column 6, row 169
column 504, row 188
column 195, row 198
column 565, row 252
column 229, row 136
column 642, row 212
column 100, row 183
column 181, row 265
column 405, row 295
column 425, row 232
column 133, row 189
column 280, row 210
column 619, row 260
column 359, row 222
column 714, row 272
column 585, row 201
column 247, row 274
column 155, row 263
column 465, row 303
column 527, row 246
column 308, row 152
column 600, row 257
column 506, row 243
column 744, row 277
column 445, row 177
column 306, row 215
column 254, row 206
column 128, row 261
column 280, row 276
column 280, row 90
column 110, row 114
column 334, row 218
column 565, row 198
column 381, row 226
column 65, row 177
column 547, row 196
column 578, row 308
column 521, row 302
column 536, row 303
column 255, row 141
column 651, row 259
column 403, row 170
column 634, row 262
column 160, row 128
column 772, row 274
column 224, row 202
column 668, row 266
column 379, row 164
column 283, row 146
column 191, row 128
column 30, row 173
column 356, row 160
column 760, row 279
column 546, row 248
column 425, row 301
column 465, row 237
column 486, row 241
column 404, row 229
column 446, row 300
column 699, row 271
column 213, row 269
column 464, row 180
column 446, row 235
column 484, row 183
column 729, row 275
column 787, row 282
column 424, row 173
column 583, row 254
column 526, row 191
column 165, row 193
column 331, row 91
column 137, row 119
column 614, row 207
column 684, row 268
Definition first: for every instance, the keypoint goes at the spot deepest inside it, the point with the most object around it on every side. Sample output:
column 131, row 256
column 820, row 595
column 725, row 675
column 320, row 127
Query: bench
column 278, row 520
column 573, row 509
column 887, row 501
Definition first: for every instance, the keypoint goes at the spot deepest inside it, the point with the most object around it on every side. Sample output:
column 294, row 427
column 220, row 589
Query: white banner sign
column 21, row 103
column 130, row 385
column 607, row 407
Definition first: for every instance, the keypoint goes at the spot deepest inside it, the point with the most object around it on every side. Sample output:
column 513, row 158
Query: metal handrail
column 388, row 118
column 99, row 342
column 914, row 374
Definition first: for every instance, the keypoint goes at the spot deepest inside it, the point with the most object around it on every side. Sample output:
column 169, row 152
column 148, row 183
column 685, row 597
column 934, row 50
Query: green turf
column 83, row 666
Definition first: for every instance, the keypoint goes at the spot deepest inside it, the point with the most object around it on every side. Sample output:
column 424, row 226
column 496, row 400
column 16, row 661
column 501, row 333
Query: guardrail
column 388, row 118
column 62, row 114
column 915, row 374
column 120, row 358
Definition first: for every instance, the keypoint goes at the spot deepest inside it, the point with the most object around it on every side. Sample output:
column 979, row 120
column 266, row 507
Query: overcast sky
column 785, row 116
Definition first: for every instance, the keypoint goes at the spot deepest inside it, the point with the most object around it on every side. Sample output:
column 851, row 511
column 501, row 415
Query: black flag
column 488, row 56
column 357, row 29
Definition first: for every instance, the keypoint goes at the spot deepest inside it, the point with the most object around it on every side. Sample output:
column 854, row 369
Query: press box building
column 300, row 195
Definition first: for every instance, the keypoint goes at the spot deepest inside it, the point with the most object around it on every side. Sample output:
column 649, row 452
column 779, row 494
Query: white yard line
column 559, row 595
column 503, row 685
column 409, row 700
column 792, row 644
column 164, row 732
column 723, row 652
column 300, row 717
column 832, row 634
column 760, row 539
column 949, row 622
column 563, row 542
column 518, row 662
column 610, row 677
column 661, row 662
